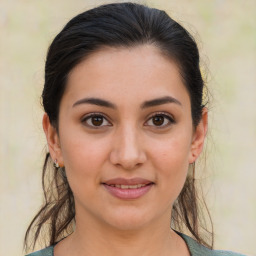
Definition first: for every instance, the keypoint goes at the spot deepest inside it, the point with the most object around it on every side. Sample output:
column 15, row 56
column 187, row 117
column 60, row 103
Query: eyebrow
column 146, row 104
column 95, row 101
column 160, row 101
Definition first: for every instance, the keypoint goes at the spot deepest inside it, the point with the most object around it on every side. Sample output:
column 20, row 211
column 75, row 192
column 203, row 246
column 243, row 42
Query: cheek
column 172, row 152
column 80, row 148
column 171, row 160
column 83, row 158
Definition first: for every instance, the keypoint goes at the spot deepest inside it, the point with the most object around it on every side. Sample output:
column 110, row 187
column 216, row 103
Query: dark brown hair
column 114, row 25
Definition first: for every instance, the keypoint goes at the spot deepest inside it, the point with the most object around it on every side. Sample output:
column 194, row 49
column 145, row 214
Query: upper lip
column 123, row 181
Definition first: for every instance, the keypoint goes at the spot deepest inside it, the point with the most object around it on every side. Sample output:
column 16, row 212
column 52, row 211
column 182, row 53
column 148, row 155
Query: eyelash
column 160, row 114
column 166, row 116
column 89, row 116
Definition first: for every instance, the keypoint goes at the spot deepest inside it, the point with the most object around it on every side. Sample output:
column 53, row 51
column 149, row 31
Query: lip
column 128, row 193
column 123, row 181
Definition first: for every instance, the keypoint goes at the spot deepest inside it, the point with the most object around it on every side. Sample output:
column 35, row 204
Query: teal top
column 194, row 247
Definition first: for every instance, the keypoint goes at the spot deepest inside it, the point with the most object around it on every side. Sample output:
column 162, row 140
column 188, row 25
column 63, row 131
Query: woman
column 124, row 121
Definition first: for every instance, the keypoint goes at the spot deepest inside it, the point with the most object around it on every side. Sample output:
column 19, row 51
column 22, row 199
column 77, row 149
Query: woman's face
column 125, row 136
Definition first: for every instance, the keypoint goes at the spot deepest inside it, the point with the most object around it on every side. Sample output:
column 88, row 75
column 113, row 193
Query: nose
column 127, row 149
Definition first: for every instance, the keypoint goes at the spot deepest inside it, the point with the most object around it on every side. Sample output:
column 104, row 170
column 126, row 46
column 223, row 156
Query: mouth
column 128, row 188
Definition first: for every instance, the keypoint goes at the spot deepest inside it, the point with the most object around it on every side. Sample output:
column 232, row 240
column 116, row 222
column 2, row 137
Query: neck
column 120, row 242
column 91, row 238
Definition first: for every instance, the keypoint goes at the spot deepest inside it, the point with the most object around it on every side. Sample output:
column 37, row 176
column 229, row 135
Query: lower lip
column 129, row 193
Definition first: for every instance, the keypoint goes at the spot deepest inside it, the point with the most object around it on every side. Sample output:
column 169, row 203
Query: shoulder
column 197, row 249
column 45, row 252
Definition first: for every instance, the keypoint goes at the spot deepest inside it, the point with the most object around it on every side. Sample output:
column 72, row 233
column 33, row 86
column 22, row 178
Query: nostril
column 127, row 159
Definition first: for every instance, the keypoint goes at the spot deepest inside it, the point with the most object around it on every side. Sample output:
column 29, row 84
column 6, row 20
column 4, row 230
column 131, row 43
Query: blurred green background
column 226, row 33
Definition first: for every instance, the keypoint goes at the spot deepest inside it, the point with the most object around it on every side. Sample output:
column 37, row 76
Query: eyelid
column 170, row 118
column 166, row 115
column 88, row 116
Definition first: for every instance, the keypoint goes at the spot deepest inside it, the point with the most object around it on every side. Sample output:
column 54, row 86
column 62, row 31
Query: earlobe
column 52, row 139
column 199, row 137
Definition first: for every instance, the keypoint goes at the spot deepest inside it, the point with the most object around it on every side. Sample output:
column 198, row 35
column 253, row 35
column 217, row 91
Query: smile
column 128, row 186
column 128, row 189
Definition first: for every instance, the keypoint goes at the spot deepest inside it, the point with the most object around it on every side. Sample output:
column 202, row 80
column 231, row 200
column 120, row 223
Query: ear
column 199, row 137
column 52, row 140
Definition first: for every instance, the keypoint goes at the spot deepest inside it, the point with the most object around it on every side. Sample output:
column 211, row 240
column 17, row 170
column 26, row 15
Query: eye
column 160, row 120
column 95, row 120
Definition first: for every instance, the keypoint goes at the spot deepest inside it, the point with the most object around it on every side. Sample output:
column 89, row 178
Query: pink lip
column 129, row 193
column 123, row 181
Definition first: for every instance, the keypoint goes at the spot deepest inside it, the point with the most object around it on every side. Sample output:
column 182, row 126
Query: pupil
column 158, row 120
column 97, row 120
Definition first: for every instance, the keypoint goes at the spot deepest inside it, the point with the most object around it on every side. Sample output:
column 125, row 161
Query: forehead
column 132, row 73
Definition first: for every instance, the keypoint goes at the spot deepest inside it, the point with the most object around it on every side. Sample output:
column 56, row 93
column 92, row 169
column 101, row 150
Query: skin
column 127, row 144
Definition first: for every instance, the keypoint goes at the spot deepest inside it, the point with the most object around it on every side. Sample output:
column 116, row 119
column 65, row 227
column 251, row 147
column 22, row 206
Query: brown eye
column 160, row 120
column 95, row 121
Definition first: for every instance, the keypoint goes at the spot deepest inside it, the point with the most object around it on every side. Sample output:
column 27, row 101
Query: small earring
column 56, row 165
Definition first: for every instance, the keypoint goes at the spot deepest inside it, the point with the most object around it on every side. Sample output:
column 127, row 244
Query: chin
column 128, row 220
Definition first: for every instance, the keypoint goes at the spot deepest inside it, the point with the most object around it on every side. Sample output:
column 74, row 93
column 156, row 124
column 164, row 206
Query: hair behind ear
column 57, row 211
